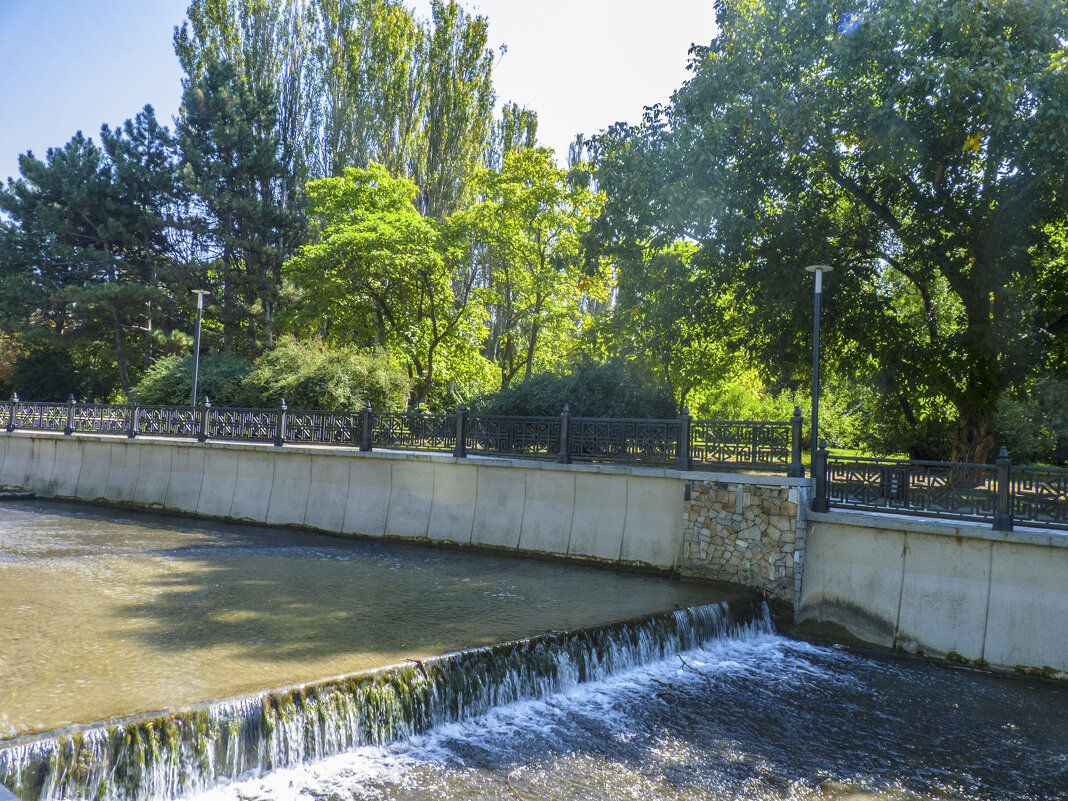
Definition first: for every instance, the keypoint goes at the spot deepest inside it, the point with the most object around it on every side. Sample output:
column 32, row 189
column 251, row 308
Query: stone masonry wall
column 746, row 533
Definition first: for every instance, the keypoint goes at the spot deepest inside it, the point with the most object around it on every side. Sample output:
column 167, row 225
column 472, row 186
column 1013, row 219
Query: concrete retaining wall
column 612, row 513
column 955, row 591
column 609, row 513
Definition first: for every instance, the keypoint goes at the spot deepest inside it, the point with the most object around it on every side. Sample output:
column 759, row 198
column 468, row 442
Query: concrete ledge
column 957, row 591
column 1020, row 535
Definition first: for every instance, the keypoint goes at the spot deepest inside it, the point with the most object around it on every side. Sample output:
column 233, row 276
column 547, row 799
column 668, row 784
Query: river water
column 747, row 714
column 751, row 717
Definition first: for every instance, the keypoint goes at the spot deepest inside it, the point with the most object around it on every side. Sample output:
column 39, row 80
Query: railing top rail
column 671, row 420
column 875, row 460
column 775, row 423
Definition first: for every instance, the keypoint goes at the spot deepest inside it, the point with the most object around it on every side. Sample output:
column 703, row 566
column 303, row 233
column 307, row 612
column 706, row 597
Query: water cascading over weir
column 173, row 753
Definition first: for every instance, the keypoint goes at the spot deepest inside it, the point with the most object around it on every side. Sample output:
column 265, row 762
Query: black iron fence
column 682, row 443
column 1001, row 494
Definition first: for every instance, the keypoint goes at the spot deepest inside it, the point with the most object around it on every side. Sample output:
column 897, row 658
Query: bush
column 603, row 390
column 308, row 375
column 169, row 381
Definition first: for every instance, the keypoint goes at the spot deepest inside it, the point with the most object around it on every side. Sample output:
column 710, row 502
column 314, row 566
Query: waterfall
column 166, row 755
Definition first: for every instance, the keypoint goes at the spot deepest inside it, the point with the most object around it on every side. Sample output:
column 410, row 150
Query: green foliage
column 81, row 259
column 359, row 81
column 915, row 145
column 222, row 378
column 311, row 375
column 528, row 231
column 380, row 273
column 598, row 390
column 308, row 375
column 46, row 374
column 230, row 164
column 1034, row 425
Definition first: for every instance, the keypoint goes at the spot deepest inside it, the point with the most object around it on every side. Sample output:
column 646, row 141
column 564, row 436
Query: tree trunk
column 975, row 436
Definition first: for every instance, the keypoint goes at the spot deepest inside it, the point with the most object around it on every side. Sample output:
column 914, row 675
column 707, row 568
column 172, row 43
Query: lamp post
column 200, row 293
column 819, row 270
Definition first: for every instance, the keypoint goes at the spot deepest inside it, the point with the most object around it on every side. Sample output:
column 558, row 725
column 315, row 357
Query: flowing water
column 700, row 703
column 106, row 613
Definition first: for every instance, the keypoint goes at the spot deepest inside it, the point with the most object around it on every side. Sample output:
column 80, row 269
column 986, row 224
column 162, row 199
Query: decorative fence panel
column 528, row 437
column 754, row 444
column 324, row 428
column 1039, row 495
column 168, row 421
column 623, row 440
column 412, row 430
column 41, row 416
column 943, row 489
column 100, row 418
column 251, row 425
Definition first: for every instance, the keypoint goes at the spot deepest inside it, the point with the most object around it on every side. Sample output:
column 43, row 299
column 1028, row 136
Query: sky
column 70, row 65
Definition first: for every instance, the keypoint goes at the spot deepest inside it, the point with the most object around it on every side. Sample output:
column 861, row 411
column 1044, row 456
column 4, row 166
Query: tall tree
column 230, row 165
column 529, row 227
column 87, row 239
column 916, row 146
column 378, row 272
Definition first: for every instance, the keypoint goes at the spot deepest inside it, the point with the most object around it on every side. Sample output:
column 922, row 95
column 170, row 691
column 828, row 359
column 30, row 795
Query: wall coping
column 1020, row 535
column 756, row 479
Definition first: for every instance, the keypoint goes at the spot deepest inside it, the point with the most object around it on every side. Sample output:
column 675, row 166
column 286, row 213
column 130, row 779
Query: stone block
column 255, row 477
column 1027, row 624
column 328, row 494
column 452, row 510
column 290, row 488
column 549, row 510
column 186, row 479
column 600, row 514
column 154, row 475
column 650, row 536
column 410, row 498
column 218, row 481
column 370, row 494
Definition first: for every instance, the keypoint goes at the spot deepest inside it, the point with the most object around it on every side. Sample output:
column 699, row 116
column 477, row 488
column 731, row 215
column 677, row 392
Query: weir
column 173, row 753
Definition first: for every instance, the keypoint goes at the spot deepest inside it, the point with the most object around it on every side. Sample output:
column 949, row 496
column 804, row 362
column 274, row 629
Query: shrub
column 311, row 375
column 600, row 390
column 169, row 381
column 308, row 375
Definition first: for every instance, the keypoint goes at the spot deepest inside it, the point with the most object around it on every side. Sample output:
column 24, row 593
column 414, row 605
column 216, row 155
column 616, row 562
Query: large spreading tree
column 918, row 146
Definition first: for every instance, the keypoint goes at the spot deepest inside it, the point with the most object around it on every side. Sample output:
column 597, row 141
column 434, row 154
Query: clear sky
column 69, row 65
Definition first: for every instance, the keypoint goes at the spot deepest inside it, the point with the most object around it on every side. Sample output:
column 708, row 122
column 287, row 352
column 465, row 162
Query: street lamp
column 200, row 293
column 819, row 270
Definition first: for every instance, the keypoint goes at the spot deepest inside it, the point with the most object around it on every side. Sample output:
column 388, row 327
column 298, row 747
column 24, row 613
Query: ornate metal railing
column 168, row 421
column 681, row 443
column 1039, row 495
column 412, row 430
column 717, row 443
column 527, row 437
column 41, row 416
column 324, row 428
column 101, row 418
column 1002, row 494
column 631, row 440
column 943, row 489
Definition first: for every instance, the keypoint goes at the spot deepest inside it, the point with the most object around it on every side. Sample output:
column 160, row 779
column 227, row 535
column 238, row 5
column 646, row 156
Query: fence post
column 459, row 450
column 684, row 460
column 135, row 418
column 1003, row 514
column 820, row 503
column 202, row 435
column 68, row 429
column 365, row 418
column 796, row 468
column 12, row 415
column 280, row 429
column 563, row 456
